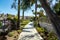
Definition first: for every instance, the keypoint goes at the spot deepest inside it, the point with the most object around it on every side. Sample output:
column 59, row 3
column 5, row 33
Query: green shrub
column 0, row 24
column 49, row 36
column 10, row 34
column 19, row 31
column 52, row 36
column 23, row 23
column 40, row 29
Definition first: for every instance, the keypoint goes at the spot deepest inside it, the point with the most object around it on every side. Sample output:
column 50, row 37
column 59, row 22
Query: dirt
column 14, row 37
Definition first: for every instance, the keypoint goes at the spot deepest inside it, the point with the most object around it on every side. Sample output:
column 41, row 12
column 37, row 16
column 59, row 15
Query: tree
column 52, row 16
column 36, row 13
column 14, row 6
column 24, row 7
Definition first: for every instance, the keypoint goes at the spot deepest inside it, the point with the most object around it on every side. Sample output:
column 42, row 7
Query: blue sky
column 5, row 7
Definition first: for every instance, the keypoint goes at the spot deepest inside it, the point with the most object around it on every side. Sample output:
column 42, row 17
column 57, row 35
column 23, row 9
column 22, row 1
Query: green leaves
column 39, row 6
column 14, row 5
column 57, row 8
column 25, row 4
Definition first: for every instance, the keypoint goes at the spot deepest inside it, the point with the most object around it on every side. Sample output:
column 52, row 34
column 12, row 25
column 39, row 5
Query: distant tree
column 24, row 7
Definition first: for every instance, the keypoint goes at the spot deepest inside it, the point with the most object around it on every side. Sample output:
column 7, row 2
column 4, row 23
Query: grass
column 18, row 31
column 40, row 29
column 23, row 23
column 13, row 35
column 46, row 35
column 10, row 34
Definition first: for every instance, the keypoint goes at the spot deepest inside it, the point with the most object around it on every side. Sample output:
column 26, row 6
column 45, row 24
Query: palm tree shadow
column 25, row 31
column 29, row 36
column 29, row 28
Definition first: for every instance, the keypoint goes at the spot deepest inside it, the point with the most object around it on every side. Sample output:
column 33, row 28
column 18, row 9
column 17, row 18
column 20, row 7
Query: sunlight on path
column 29, row 33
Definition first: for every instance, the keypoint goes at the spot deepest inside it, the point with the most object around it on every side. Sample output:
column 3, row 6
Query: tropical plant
column 24, row 7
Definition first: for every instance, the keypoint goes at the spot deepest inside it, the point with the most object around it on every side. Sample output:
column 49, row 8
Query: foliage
column 52, row 36
column 40, row 29
column 19, row 31
column 57, row 8
column 13, row 22
column 23, row 23
column 46, row 35
column 10, row 34
column 0, row 24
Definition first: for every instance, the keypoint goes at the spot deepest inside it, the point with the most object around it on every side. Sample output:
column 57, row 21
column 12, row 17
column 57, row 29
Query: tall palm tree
column 23, row 14
column 23, row 10
column 18, row 23
column 35, row 13
column 17, row 7
column 24, row 6
column 31, row 2
column 52, row 16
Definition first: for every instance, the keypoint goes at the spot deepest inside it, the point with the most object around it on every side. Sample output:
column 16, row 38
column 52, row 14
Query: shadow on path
column 27, row 37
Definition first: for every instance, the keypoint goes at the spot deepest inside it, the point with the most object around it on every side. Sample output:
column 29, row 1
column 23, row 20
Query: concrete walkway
column 29, row 33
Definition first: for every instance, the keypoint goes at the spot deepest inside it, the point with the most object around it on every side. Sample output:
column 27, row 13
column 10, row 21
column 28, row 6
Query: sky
column 5, row 7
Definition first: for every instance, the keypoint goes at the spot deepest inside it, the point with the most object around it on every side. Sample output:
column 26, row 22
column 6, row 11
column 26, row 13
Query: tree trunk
column 52, row 16
column 23, row 15
column 18, row 23
column 35, row 12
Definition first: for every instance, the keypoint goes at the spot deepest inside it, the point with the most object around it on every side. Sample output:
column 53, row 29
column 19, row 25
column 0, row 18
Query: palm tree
column 30, row 3
column 17, row 7
column 36, row 13
column 23, row 10
column 18, row 23
column 24, row 7
column 52, row 16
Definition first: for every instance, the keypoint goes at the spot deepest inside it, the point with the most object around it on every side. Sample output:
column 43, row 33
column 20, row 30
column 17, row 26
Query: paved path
column 29, row 33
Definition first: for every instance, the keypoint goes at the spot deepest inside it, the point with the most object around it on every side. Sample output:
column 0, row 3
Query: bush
column 19, row 31
column 0, row 24
column 40, row 29
column 46, row 35
column 23, row 23
column 52, row 36
column 10, row 34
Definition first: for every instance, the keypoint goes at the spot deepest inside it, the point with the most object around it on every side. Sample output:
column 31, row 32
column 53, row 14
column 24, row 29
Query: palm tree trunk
column 36, row 13
column 52, row 16
column 18, row 23
column 23, row 15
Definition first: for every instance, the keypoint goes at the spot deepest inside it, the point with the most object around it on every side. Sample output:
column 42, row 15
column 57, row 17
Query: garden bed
column 13, row 35
column 46, row 35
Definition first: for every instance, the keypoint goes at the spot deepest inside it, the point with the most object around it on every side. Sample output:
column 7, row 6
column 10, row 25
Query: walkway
column 29, row 33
